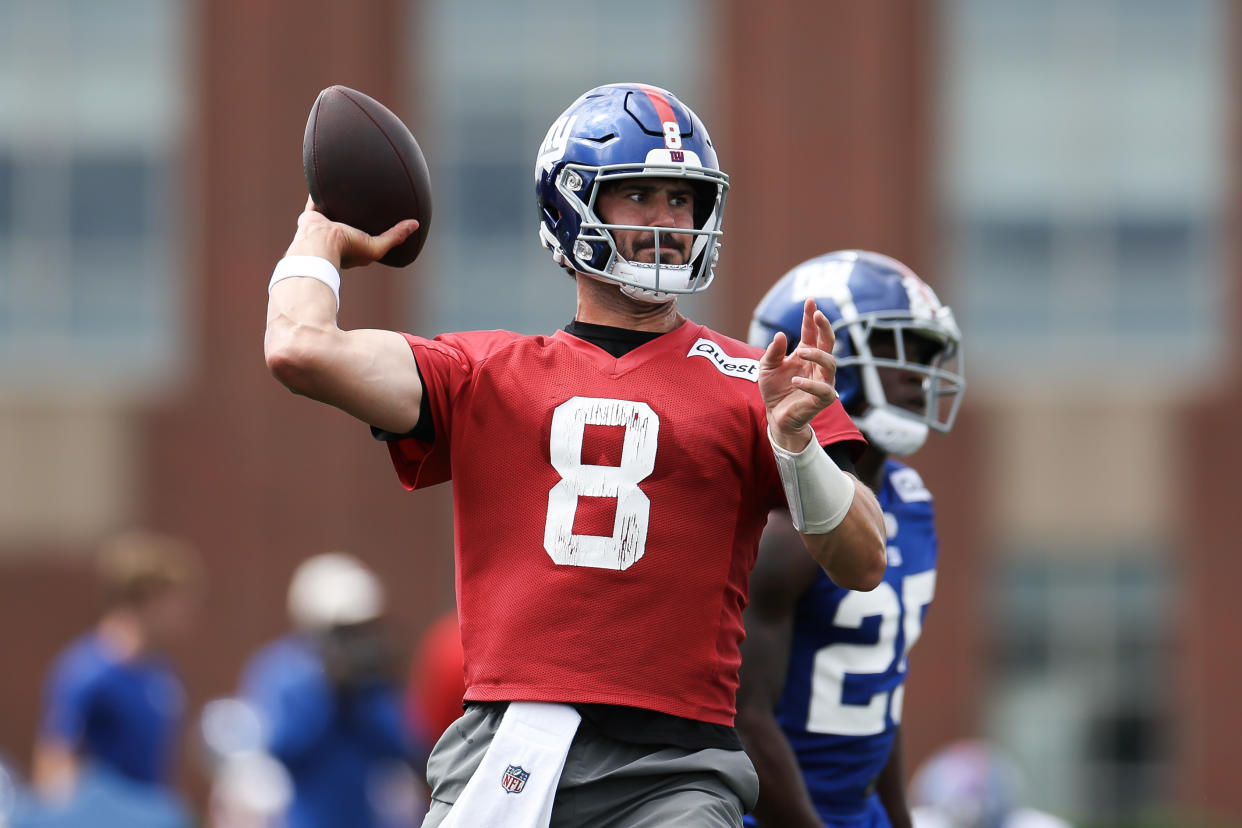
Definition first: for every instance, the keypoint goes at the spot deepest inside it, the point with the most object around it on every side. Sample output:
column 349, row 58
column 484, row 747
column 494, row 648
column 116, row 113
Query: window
column 90, row 195
column 1083, row 145
column 487, row 109
column 1082, row 662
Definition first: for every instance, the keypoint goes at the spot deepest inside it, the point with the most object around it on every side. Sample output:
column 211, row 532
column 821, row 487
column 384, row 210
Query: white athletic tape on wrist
column 309, row 267
column 819, row 493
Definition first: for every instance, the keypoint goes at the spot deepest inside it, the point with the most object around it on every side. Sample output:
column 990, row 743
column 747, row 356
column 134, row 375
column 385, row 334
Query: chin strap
column 892, row 432
column 651, row 297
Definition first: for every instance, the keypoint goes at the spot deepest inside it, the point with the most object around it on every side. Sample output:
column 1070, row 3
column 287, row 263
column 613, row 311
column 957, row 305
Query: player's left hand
column 797, row 387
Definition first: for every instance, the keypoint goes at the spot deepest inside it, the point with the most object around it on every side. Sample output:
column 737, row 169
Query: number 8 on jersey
column 629, row 535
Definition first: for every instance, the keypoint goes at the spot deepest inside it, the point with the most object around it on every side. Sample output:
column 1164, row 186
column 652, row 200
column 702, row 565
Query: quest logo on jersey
column 730, row 366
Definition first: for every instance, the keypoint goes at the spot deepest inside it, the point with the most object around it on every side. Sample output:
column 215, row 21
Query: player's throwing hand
column 797, row 387
column 341, row 244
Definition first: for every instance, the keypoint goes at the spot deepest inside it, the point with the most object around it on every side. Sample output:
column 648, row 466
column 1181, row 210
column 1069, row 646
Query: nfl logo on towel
column 515, row 779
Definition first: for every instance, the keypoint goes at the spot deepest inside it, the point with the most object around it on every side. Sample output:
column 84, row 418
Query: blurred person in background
column 823, row 672
column 973, row 785
column 249, row 790
column 10, row 791
column 330, row 704
column 437, row 683
column 248, row 787
column 435, row 692
column 113, row 704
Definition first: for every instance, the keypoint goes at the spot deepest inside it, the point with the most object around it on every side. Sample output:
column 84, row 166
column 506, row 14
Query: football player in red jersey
column 611, row 481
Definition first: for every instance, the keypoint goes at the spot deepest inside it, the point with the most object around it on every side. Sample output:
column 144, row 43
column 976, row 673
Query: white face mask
column 891, row 432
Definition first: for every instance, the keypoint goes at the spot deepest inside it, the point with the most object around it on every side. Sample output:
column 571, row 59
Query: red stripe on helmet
column 664, row 109
column 928, row 296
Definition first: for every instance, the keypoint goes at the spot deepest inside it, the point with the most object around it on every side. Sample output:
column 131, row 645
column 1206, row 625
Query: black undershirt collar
column 616, row 341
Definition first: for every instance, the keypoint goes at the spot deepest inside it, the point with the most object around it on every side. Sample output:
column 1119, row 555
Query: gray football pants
column 606, row 783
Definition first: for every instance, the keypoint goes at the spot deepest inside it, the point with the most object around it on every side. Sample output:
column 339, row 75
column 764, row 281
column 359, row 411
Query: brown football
column 365, row 169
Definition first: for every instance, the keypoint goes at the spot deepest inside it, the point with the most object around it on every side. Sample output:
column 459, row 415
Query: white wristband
column 819, row 493
column 309, row 267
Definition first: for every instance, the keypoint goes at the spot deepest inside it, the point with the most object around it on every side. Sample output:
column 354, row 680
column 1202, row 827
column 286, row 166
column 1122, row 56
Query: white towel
column 515, row 783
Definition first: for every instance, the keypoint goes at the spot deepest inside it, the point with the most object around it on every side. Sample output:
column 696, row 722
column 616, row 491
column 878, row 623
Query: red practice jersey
column 607, row 511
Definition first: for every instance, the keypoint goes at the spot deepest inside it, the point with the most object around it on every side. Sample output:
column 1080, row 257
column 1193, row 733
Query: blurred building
column 1061, row 170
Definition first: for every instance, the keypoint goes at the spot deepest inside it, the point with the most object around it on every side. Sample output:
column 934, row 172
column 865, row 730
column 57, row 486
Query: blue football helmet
column 628, row 130
column 968, row 784
column 862, row 294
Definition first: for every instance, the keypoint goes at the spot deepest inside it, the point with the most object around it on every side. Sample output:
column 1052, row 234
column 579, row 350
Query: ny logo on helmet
column 554, row 143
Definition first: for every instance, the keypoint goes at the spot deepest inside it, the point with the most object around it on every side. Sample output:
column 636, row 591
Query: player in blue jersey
column 823, row 672
column 113, row 704
column 330, row 701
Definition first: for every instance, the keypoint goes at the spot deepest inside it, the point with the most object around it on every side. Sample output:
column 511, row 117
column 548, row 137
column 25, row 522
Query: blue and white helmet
column 969, row 784
column 628, row 130
column 862, row 292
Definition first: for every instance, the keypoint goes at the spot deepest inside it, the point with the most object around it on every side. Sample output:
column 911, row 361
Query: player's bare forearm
column 367, row 373
column 891, row 786
column 783, row 798
column 370, row 374
column 54, row 771
column 795, row 388
column 853, row 554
